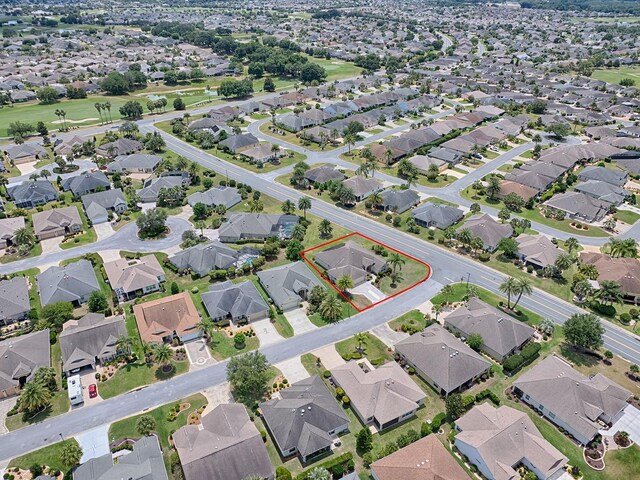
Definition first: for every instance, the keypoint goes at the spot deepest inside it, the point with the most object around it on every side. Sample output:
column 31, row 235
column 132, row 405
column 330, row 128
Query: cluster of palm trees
column 515, row 287
column 466, row 238
column 24, row 240
column 62, row 118
column 342, row 193
column 396, row 261
column 627, row 247
column 408, row 171
column 370, row 164
column 106, row 108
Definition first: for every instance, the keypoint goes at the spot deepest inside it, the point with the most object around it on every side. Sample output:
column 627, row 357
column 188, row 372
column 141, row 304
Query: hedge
column 606, row 310
column 528, row 354
column 437, row 421
column 337, row 466
column 487, row 394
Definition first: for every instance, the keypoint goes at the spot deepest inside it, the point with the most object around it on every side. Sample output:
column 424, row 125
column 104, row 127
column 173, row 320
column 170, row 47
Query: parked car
column 93, row 391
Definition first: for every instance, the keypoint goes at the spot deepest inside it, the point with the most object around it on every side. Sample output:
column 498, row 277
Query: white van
column 74, row 387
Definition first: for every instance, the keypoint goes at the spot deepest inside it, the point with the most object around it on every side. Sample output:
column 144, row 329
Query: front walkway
column 6, row 405
column 266, row 332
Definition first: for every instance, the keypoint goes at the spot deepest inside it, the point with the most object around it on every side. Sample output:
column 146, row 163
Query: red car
column 93, row 391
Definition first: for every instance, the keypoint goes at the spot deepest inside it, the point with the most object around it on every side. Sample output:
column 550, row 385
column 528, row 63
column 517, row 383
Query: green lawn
column 49, row 456
column 374, row 349
column 222, row 346
column 88, row 234
column 293, row 139
column 615, row 75
column 627, row 216
column 36, row 251
column 413, row 317
column 337, row 69
column 127, row 428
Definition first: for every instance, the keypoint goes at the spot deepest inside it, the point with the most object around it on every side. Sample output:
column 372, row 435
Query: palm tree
column 288, row 207
column 571, row 244
column 509, row 287
column 162, row 353
column 346, row 195
column 523, row 288
column 465, row 237
column 330, row 309
column 304, row 204
column 34, row 397
column 45, row 174
column 206, row 325
column 396, row 261
column 298, row 232
column 123, row 344
column 376, row 200
column 363, row 170
column 107, row 105
column 609, row 292
column 325, row 228
column 350, row 139
column 63, row 114
column 23, row 236
column 396, row 278
column 71, row 454
column 582, row 289
column 589, row 270
column 476, row 244
column 256, row 206
column 447, row 290
column 448, row 234
column 361, row 339
column 344, row 283
column 493, row 187
column 564, row 261
column 372, row 166
column 437, row 310
column 58, row 114
column 99, row 109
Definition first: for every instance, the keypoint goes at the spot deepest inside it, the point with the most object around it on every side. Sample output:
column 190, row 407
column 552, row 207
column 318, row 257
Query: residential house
column 57, row 222
column 323, row 174
column 22, row 356
column 579, row 206
column 383, row 396
column 205, row 257
column 352, row 259
column 501, row 334
column 305, row 420
column 143, row 462
column 426, row 459
column 438, row 215
column 602, row 174
column 537, row 250
column 14, row 300
column 151, row 187
column 33, row 193
column 624, row 271
column 487, row 229
column 120, row 147
column 25, row 153
column 8, row 228
column 424, row 162
column 289, row 284
column 132, row 278
column 234, row 302
column 90, row 340
column 71, row 283
column 98, row 205
column 362, row 187
column 134, row 163
column 603, row 191
column 578, row 404
column 442, row 360
column 221, row 195
column 259, row 226
column 398, row 201
column 88, row 182
column 226, row 445
column 238, row 143
column 523, row 191
column 497, row 440
column 166, row 318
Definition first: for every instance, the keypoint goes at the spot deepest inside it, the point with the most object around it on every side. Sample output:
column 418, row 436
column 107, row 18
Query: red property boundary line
column 359, row 310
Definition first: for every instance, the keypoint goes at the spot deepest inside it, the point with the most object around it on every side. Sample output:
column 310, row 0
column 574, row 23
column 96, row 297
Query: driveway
column 299, row 321
column 293, row 370
column 5, row 406
column 198, row 353
column 51, row 245
column 103, row 230
column 109, row 255
column 329, row 357
column 266, row 332
column 94, row 443
column 217, row 395
column 88, row 377
column 629, row 422
column 369, row 291
column 388, row 336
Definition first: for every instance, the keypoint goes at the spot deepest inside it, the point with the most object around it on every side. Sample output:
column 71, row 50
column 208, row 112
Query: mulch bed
column 621, row 440
column 595, row 456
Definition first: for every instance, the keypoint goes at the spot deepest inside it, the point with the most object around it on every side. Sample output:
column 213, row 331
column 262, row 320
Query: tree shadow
column 579, row 357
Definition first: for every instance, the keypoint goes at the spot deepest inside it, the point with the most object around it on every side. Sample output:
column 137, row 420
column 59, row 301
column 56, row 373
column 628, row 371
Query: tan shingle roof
column 164, row 316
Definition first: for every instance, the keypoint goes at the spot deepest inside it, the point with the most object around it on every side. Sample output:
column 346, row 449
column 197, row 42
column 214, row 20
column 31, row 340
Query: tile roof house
column 426, row 459
column 624, row 271
column 289, row 284
column 144, row 462
column 383, row 396
column 573, row 401
column 442, row 360
column 14, row 300
column 225, row 446
column 350, row 259
column 87, row 182
column 72, row 283
column 8, row 229
column 132, row 278
column 234, row 302
column 322, row 174
column 240, row 226
column 57, row 222
column 487, row 229
column 537, row 250
column 90, row 340
column 227, row 196
column 498, row 440
column 438, row 215
column 164, row 319
column 502, row 335
column 305, row 420
column 21, row 357
column 97, row 205
column 33, row 193
column 204, row 257
column 399, row 201
column 134, row 163
column 362, row 187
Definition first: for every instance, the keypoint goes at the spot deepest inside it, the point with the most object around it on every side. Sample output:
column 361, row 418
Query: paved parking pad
column 388, row 336
column 293, row 370
column 299, row 321
column 94, row 443
column 266, row 332
column 198, row 353
column 629, row 422
column 329, row 357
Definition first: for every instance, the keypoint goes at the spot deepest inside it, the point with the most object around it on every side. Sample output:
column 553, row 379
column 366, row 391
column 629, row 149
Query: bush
column 339, row 392
column 326, row 374
column 344, row 463
column 601, row 308
column 527, row 355
column 625, row 317
column 484, row 257
column 425, row 429
column 263, row 434
column 437, row 421
column 283, row 474
column 487, row 394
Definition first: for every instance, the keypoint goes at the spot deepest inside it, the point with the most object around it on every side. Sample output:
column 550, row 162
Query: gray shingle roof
column 134, row 162
column 67, row 284
column 35, row 191
column 614, row 177
column 442, row 216
column 485, row 227
column 86, row 182
column 227, row 196
column 399, row 200
column 22, row 356
column 323, row 174
column 239, row 300
column 14, row 297
column 256, row 225
column 204, row 257
column 284, row 283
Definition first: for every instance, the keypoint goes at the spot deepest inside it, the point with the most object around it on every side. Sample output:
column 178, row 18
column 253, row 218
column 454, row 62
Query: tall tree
column 584, row 330
column 249, row 377
column 304, row 204
column 509, row 287
column 523, row 287
column 71, row 454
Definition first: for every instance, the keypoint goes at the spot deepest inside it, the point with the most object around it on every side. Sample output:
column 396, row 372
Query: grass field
column 49, row 456
column 614, row 75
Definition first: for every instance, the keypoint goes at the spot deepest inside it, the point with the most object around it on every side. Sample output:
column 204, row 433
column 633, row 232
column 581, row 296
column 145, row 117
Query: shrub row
column 487, row 394
column 527, row 355
column 337, row 466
